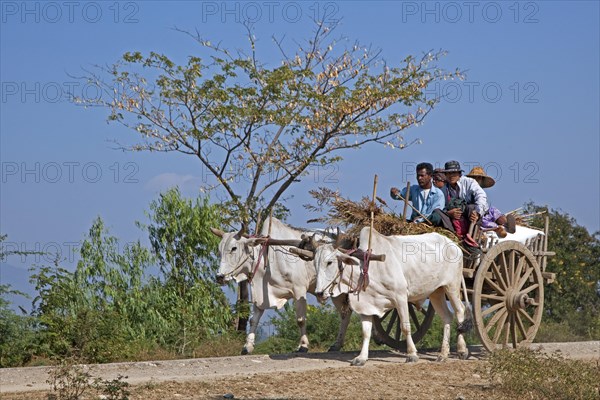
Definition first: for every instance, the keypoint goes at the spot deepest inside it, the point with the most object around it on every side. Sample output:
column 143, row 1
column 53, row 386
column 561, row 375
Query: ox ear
column 256, row 241
column 346, row 259
column 217, row 232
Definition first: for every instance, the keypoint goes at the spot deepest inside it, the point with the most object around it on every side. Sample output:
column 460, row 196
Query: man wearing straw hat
column 493, row 219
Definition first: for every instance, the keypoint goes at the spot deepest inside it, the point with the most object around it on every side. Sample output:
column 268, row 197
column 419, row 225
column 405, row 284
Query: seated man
column 473, row 202
column 425, row 197
column 493, row 219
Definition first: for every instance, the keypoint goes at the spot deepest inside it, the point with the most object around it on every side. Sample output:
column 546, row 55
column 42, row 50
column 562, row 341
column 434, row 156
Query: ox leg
column 438, row 300
column 411, row 349
column 367, row 325
column 256, row 314
column 301, row 321
column 464, row 322
column 345, row 312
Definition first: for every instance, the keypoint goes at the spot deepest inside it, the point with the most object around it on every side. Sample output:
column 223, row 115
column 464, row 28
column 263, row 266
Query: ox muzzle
column 322, row 296
column 222, row 279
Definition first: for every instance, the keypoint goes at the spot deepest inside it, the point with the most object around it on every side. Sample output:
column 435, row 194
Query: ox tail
column 467, row 324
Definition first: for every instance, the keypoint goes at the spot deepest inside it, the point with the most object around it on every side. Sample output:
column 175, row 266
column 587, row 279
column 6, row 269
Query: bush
column 534, row 375
column 435, row 333
column 17, row 339
column 557, row 332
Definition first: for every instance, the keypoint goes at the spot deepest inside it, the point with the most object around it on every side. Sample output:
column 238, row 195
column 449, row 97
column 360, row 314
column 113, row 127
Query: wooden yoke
column 309, row 255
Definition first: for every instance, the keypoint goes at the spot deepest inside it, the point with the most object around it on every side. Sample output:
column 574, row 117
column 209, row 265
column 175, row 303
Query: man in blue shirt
column 424, row 197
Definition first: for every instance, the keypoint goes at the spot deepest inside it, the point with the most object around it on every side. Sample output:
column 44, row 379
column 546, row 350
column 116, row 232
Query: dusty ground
column 307, row 376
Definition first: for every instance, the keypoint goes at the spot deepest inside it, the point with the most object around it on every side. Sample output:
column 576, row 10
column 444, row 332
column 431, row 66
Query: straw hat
column 479, row 174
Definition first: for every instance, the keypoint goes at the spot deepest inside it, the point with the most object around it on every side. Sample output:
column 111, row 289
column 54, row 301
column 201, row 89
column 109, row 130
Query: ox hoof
column 463, row 355
column 358, row 362
column 334, row 347
column 246, row 351
column 302, row 349
column 412, row 358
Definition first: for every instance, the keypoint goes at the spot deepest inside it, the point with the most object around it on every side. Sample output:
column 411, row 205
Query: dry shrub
column 70, row 380
column 535, row 375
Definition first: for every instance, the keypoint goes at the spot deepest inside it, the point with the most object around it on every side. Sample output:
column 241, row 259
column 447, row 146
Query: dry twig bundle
column 524, row 219
column 353, row 216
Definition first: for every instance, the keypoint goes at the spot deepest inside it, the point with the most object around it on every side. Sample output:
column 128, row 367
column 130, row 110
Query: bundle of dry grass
column 353, row 216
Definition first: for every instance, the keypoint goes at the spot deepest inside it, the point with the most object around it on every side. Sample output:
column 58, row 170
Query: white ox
column 282, row 277
column 415, row 268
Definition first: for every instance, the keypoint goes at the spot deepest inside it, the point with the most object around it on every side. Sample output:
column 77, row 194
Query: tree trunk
column 243, row 306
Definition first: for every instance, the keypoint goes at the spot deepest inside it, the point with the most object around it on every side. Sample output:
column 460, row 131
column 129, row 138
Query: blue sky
column 528, row 110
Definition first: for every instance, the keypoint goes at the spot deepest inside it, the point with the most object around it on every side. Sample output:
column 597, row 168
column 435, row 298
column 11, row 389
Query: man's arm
column 480, row 197
column 395, row 193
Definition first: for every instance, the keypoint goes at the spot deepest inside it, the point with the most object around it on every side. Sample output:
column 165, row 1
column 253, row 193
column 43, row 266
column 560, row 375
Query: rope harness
column 363, row 280
column 261, row 254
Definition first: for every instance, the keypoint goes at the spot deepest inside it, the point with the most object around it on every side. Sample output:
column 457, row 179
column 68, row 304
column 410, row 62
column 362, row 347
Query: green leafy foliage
column 179, row 232
column 574, row 299
column 433, row 338
column 116, row 304
column 322, row 323
column 17, row 338
column 93, row 312
column 16, row 333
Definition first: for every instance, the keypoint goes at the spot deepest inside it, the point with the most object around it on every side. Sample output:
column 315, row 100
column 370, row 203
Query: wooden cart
column 506, row 290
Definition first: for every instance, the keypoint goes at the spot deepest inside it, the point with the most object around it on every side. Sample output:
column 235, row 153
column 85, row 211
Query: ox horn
column 241, row 232
column 313, row 242
column 338, row 240
column 302, row 253
column 217, row 232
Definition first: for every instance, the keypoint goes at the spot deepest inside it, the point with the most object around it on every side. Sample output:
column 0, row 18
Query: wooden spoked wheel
column 388, row 328
column 508, row 296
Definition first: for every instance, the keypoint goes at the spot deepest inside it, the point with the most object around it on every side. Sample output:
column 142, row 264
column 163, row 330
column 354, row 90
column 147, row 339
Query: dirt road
column 297, row 376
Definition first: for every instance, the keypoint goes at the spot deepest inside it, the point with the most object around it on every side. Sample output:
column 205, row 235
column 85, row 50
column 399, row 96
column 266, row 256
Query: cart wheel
column 508, row 296
column 388, row 329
